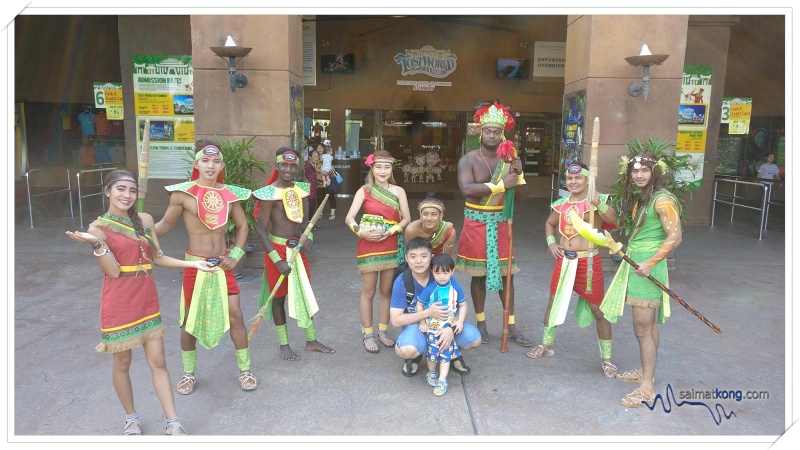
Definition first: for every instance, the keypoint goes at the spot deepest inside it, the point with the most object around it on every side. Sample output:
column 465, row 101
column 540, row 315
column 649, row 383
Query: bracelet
column 551, row 240
column 274, row 256
column 353, row 227
column 236, row 254
column 521, row 179
column 602, row 208
column 105, row 250
column 395, row 229
column 496, row 188
column 97, row 244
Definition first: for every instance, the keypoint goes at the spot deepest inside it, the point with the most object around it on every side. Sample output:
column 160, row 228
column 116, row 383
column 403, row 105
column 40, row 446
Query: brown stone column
column 262, row 108
column 596, row 50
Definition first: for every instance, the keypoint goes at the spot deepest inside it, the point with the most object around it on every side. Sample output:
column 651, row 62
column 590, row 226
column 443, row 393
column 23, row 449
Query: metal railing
column 554, row 189
column 765, row 193
column 54, row 191
column 100, row 185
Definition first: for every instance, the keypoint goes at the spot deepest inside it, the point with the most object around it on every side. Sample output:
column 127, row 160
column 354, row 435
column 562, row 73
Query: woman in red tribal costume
column 129, row 310
column 380, row 248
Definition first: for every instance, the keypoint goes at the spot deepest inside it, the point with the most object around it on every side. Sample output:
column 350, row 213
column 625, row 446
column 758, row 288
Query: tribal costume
column 440, row 236
column 301, row 303
column 479, row 250
column 574, row 272
column 629, row 288
column 388, row 253
column 129, row 309
column 204, row 296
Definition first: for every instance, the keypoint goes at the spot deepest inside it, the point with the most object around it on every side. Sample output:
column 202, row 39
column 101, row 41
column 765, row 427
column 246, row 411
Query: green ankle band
column 243, row 359
column 311, row 333
column 189, row 361
column 549, row 336
column 605, row 348
column 283, row 335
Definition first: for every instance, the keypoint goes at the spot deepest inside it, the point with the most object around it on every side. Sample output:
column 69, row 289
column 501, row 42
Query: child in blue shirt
column 445, row 291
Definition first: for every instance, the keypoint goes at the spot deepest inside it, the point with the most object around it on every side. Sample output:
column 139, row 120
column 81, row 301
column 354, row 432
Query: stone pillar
column 596, row 50
column 263, row 107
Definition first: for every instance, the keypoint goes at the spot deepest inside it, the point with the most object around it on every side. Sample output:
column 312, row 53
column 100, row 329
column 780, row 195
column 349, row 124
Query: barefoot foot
column 287, row 353
column 317, row 346
column 484, row 333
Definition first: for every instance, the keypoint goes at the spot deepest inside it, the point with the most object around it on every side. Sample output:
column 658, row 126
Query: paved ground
column 62, row 386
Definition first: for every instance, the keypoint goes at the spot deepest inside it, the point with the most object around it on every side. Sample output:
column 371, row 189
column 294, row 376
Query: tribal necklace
column 491, row 172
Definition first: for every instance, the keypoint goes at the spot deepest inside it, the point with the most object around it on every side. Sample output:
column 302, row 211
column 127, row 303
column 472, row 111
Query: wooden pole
column 144, row 158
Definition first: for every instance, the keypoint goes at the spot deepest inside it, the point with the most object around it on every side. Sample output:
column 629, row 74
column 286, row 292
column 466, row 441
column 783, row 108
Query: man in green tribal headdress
column 280, row 216
column 656, row 232
column 209, row 301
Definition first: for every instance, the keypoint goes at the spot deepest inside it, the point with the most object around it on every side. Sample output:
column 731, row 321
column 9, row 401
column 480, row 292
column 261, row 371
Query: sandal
column 373, row 347
column 441, row 388
column 408, row 368
column 172, row 425
column 431, row 378
column 186, row 384
column 609, row 369
column 385, row 339
column 132, row 419
column 244, row 381
column 637, row 399
column 520, row 340
column 465, row 371
column 540, row 351
column 630, row 376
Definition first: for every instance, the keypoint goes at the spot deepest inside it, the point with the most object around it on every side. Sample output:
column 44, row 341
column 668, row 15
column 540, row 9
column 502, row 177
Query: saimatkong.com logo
column 696, row 397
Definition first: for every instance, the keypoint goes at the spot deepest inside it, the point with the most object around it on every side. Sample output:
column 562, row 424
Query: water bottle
column 339, row 153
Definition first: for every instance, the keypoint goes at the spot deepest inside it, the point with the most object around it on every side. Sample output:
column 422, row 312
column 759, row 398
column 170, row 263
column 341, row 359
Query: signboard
column 163, row 89
column 693, row 122
column 109, row 96
column 736, row 113
column 549, row 59
column 427, row 61
column 310, row 51
column 571, row 133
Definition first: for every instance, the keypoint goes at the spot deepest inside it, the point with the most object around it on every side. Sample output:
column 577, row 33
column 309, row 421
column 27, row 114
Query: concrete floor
column 62, row 386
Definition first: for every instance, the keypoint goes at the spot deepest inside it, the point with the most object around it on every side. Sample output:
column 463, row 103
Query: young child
column 327, row 166
column 768, row 171
column 447, row 292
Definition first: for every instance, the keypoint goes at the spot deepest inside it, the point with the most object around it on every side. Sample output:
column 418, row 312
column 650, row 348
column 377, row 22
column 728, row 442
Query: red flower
column 370, row 160
column 506, row 151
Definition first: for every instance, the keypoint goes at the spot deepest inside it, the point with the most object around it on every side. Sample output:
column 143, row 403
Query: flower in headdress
column 506, row 151
column 370, row 160
column 623, row 165
column 495, row 115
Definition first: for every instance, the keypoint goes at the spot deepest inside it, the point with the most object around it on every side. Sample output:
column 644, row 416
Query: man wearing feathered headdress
column 484, row 176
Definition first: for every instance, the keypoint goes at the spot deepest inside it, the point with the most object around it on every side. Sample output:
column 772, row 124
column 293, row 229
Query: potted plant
column 241, row 169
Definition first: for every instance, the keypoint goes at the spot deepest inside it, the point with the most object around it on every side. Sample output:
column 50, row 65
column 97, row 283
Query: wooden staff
column 256, row 320
column 144, row 158
column 507, row 297
column 591, row 190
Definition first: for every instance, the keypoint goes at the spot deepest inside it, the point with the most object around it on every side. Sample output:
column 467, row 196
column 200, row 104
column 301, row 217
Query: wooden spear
column 144, row 157
column 591, row 190
column 256, row 320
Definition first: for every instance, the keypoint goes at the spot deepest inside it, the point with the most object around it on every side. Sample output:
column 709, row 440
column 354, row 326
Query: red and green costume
column 388, row 253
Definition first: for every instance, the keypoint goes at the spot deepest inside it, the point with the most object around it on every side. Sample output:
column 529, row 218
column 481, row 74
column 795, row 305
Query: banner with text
column 693, row 122
column 736, row 113
column 549, row 59
column 163, row 91
column 109, row 96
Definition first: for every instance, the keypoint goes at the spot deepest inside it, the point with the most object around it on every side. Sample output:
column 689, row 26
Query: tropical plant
column 670, row 164
column 241, row 168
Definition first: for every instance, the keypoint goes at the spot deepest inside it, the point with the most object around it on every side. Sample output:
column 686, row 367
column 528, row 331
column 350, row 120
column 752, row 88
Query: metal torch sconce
column 644, row 60
column 231, row 52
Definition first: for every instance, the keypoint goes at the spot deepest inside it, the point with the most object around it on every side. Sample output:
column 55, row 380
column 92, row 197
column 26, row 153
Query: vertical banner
column 571, row 135
column 693, row 122
column 309, row 51
column 736, row 113
column 109, row 96
column 297, row 138
column 163, row 92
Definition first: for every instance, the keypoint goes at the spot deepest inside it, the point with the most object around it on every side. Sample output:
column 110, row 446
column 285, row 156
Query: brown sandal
column 385, row 339
column 373, row 348
column 637, row 399
column 609, row 369
column 186, row 384
column 244, row 381
column 630, row 376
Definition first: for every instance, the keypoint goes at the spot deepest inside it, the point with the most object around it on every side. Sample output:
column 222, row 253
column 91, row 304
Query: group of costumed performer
column 483, row 248
column 280, row 215
column 204, row 306
column 578, row 266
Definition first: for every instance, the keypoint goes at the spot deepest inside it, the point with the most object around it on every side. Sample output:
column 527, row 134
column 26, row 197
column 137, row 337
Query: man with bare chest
column 209, row 301
column 484, row 178
column 280, row 216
